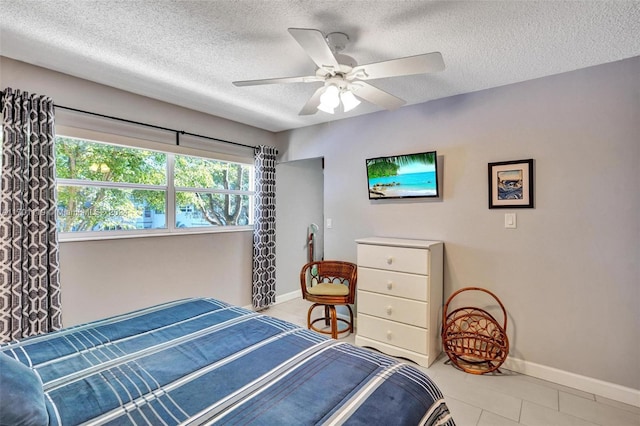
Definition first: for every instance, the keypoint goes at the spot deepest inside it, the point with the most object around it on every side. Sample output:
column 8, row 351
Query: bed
column 203, row 361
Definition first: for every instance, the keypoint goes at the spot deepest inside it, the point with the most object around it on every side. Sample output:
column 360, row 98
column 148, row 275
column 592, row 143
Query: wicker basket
column 473, row 340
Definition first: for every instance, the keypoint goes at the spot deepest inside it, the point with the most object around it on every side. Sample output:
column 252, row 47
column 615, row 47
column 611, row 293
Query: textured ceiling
column 189, row 52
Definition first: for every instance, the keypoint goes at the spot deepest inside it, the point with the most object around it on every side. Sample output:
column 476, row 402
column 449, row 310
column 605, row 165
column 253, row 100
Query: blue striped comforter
column 202, row 361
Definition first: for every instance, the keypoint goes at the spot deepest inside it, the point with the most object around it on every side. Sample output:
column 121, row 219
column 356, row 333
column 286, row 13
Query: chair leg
column 334, row 322
column 309, row 316
column 330, row 319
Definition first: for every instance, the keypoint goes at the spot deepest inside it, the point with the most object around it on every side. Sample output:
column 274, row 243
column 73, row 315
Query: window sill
column 119, row 235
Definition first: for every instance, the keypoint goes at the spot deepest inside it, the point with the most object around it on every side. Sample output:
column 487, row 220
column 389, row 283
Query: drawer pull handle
column 389, row 310
column 388, row 334
column 389, row 285
column 389, row 260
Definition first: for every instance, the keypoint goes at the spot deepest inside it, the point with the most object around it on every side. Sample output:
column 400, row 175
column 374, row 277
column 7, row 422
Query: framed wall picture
column 511, row 184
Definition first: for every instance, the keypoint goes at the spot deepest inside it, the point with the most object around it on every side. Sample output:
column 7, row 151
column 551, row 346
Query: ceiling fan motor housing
column 337, row 41
column 346, row 60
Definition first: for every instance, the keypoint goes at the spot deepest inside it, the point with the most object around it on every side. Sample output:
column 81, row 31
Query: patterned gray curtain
column 29, row 279
column 264, row 233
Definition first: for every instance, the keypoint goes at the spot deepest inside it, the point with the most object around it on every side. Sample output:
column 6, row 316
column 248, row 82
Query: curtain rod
column 153, row 126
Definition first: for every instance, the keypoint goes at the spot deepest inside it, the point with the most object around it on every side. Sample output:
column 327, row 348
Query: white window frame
column 169, row 188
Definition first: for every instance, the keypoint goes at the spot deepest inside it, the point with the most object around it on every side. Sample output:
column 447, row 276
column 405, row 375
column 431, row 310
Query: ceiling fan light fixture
column 324, row 108
column 330, row 99
column 349, row 101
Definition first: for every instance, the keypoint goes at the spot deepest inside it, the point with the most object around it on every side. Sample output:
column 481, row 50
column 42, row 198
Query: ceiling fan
column 344, row 80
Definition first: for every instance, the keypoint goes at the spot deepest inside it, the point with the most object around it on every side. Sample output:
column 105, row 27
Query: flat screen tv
column 403, row 176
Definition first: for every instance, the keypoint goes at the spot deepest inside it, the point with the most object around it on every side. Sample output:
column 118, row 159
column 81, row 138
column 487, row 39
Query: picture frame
column 511, row 184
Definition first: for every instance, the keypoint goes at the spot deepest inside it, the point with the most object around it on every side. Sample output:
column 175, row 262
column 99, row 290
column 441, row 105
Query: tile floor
column 503, row 400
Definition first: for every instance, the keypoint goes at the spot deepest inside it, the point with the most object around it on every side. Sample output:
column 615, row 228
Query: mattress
column 202, row 361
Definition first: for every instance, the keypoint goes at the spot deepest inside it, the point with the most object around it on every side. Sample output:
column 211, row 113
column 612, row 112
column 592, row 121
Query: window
column 212, row 192
column 106, row 189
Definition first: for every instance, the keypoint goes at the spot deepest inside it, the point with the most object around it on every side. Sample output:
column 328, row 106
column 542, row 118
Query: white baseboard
column 296, row 294
column 282, row 298
column 587, row 384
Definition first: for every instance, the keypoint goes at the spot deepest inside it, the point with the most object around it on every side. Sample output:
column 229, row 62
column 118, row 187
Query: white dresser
column 399, row 297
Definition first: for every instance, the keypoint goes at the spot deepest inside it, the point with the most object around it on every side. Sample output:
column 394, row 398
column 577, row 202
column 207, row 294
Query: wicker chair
column 327, row 284
column 472, row 338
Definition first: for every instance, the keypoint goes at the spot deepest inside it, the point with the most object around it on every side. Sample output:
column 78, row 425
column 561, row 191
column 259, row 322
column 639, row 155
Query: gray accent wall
column 569, row 274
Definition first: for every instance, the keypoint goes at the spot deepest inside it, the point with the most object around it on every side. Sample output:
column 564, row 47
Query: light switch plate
column 510, row 220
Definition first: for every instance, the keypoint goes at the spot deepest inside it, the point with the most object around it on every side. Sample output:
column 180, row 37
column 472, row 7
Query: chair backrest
column 330, row 271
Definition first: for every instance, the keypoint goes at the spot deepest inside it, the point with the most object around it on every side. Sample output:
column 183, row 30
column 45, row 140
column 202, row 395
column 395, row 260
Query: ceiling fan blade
column 314, row 43
column 311, row 107
column 376, row 96
column 305, row 79
column 419, row 64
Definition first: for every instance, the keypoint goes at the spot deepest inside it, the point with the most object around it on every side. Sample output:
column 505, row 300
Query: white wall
column 299, row 202
column 569, row 275
column 103, row 278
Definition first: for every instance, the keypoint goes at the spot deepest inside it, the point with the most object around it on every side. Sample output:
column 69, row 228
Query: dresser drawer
column 402, row 259
column 394, row 283
column 392, row 308
column 393, row 333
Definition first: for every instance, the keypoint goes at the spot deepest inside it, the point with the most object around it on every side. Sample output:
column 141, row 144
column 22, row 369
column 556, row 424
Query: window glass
column 85, row 160
column 198, row 209
column 227, row 199
column 194, row 172
column 82, row 209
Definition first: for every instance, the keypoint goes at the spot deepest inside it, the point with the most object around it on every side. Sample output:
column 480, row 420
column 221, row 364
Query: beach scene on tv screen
column 412, row 175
